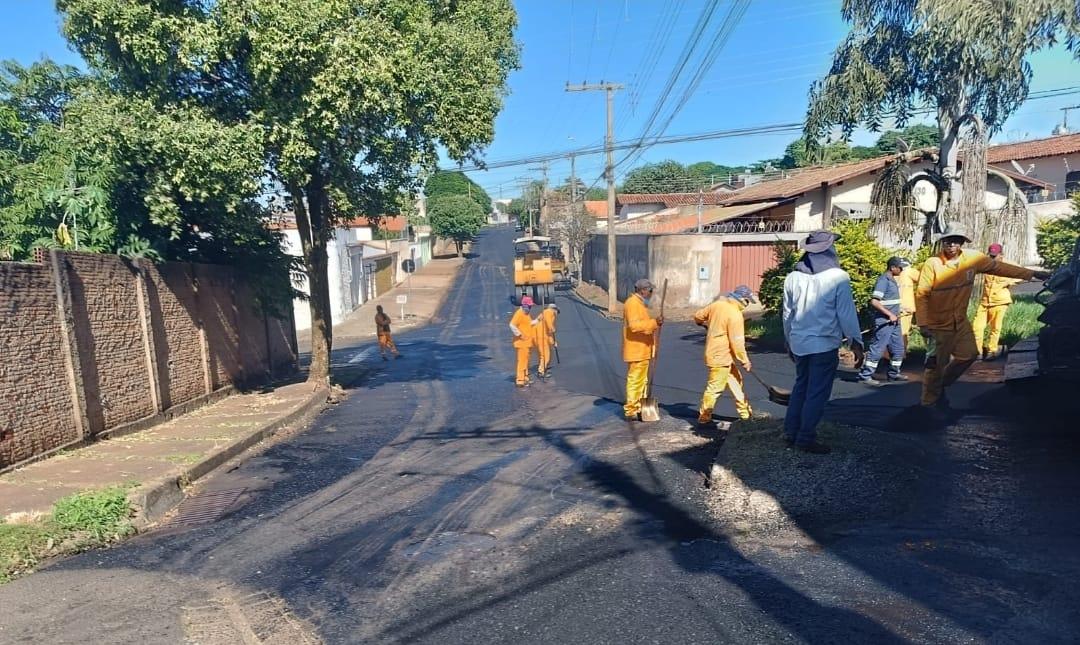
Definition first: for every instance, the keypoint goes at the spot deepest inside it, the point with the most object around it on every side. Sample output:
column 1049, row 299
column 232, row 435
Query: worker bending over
column 639, row 343
column 382, row 330
column 725, row 343
column 993, row 303
column 545, row 337
column 523, row 327
column 941, row 299
column 886, row 332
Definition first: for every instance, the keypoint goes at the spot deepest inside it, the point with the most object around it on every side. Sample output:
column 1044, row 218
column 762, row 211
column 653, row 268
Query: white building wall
column 339, row 274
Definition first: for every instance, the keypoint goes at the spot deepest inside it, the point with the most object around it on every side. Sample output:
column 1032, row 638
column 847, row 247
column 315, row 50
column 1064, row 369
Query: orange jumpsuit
column 545, row 338
column 386, row 341
column 523, row 342
column 725, row 343
column 995, row 300
column 639, row 341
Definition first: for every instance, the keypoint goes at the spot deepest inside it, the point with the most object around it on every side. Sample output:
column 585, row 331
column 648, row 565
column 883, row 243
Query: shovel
column 650, row 409
column 777, row 395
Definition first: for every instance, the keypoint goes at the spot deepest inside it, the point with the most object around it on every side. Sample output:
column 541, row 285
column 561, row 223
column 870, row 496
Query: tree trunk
column 311, row 222
column 949, row 131
column 458, row 244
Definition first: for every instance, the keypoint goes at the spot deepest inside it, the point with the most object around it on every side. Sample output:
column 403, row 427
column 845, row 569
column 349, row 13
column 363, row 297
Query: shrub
column 1056, row 239
column 102, row 513
column 863, row 258
column 771, row 292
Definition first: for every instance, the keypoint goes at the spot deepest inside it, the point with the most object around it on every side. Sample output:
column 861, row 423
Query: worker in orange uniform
column 907, row 281
column 523, row 327
column 725, row 343
column 993, row 302
column 639, row 342
column 545, row 337
column 382, row 330
column 941, row 302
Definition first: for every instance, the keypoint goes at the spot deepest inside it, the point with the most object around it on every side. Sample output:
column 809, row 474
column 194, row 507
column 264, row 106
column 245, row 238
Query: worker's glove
column 1043, row 275
column 659, row 320
column 893, row 318
column 746, row 366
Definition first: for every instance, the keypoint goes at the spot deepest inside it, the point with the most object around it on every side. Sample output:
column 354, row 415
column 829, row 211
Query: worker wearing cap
column 523, row 327
column 639, row 342
column 993, row 303
column 725, row 343
column 907, row 280
column 545, row 337
column 886, row 333
column 941, row 300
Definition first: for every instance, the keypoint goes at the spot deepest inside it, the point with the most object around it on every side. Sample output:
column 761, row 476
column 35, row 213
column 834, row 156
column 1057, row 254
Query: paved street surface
column 439, row 504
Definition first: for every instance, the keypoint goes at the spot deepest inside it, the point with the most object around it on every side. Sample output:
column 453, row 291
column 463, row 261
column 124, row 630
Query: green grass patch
column 767, row 331
column 78, row 522
column 185, row 459
column 1021, row 321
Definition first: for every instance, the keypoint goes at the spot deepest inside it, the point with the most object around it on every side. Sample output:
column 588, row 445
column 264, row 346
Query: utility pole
column 700, row 200
column 609, row 170
column 573, row 182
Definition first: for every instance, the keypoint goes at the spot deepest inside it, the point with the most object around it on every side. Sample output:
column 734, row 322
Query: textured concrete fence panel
column 632, row 253
column 92, row 343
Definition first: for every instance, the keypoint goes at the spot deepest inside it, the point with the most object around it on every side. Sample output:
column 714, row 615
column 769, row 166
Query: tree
column 456, row 217
column 965, row 59
column 574, row 225
column 1056, row 238
column 662, row 177
column 351, row 99
column 796, row 155
column 712, row 172
column 455, row 182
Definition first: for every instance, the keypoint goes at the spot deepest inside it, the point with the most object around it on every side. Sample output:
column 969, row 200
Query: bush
column 102, row 514
column 859, row 253
column 1056, row 239
column 771, row 292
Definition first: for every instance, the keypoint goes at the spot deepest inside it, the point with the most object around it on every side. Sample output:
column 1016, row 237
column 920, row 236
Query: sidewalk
column 160, row 461
column 429, row 287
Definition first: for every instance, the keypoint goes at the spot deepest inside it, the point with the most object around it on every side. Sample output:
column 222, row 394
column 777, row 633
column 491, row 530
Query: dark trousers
column 886, row 336
column 814, row 376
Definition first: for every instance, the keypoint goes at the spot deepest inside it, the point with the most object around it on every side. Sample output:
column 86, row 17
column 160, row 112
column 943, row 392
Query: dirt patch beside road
column 761, row 488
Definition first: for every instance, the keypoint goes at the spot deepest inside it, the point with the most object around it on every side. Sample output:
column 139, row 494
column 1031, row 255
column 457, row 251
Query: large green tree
column 966, row 61
column 912, row 137
column 455, row 217
column 352, row 99
column 455, row 182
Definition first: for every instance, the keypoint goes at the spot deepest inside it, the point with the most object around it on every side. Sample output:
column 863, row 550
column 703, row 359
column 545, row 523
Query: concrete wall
column 632, row 262
column 94, row 342
column 680, row 259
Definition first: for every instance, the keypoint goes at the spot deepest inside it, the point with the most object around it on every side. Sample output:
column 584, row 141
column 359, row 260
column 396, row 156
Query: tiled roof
column 802, row 181
column 670, row 199
column 1064, row 144
column 596, row 207
column 670, row 221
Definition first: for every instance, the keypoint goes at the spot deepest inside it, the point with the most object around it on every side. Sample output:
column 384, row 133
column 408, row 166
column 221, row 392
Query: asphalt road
column 439, row 504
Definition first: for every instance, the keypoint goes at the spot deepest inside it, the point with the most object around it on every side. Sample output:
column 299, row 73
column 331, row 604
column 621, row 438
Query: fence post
column 147, row 337
column 204, row 348
column 69, row 345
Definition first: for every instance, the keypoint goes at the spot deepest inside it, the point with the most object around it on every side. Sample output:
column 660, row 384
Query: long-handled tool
column 555, row 346
column 777, row 395
column 650, row 409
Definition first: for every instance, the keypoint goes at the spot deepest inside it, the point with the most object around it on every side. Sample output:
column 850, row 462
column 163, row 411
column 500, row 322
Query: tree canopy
column 454, row 182
column 349, row 101
column 455, row 217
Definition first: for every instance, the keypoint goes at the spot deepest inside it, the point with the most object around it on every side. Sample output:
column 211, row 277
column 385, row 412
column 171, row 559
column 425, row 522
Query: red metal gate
column 743, row 263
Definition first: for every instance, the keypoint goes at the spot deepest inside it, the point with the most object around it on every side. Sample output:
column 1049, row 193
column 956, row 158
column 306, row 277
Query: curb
column 152, row 501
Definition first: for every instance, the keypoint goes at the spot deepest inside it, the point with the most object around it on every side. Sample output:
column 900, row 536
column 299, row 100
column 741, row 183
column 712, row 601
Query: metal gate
column 384, row 275
column 743, row 263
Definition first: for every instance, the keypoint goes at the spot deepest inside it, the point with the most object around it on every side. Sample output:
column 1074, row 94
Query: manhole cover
column 205, row 507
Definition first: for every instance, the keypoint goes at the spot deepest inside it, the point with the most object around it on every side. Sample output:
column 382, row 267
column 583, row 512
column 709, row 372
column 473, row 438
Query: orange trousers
column 386, row 344
column 521, row 373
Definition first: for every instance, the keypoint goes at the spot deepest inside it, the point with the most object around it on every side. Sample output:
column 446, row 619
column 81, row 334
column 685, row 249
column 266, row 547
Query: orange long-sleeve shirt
column 638, row 330
column 725, row 340
column 941, row 299
column 524, row 324
column 995, row 291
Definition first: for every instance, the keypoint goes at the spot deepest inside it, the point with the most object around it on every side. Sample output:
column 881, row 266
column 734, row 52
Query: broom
column 650, row 409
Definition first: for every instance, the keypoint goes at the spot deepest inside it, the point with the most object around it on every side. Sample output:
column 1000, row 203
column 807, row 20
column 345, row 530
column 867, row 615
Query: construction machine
column 533, row 268
column 1059, row 339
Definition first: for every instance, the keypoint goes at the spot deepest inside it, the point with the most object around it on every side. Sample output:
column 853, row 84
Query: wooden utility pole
column 573, row 182
column 609, row 171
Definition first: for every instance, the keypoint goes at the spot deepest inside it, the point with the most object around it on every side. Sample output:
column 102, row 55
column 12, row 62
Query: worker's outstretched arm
column 1004, row 269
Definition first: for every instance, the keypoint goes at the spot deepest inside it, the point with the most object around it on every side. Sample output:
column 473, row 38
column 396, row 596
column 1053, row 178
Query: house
column 359, row 267
column 1054, row 160
column 629, row 206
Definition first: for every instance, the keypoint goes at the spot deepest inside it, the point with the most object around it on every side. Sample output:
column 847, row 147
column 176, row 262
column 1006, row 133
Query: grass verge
column 78, row 522
column 1021, row 321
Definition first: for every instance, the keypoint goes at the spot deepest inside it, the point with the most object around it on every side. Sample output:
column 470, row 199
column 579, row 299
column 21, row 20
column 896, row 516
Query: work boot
column 814, row 448
column 869, row 381
column 899, row 378
column 383, row 356
column 789, row 442
column 522, row 385
column 397, row 356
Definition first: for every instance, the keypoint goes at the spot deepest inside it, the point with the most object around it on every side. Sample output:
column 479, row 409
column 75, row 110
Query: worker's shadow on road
column 662, row 519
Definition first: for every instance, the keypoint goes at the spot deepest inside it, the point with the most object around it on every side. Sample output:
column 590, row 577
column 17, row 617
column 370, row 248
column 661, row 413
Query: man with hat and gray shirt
column 941, row 303
column 819, row 313
column 886, row 332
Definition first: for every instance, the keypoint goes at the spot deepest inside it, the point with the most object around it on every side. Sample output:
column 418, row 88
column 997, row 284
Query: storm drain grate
column 205, row 507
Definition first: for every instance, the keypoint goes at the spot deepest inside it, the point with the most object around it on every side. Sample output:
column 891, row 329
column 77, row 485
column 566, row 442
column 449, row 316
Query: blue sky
column 761, row 76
